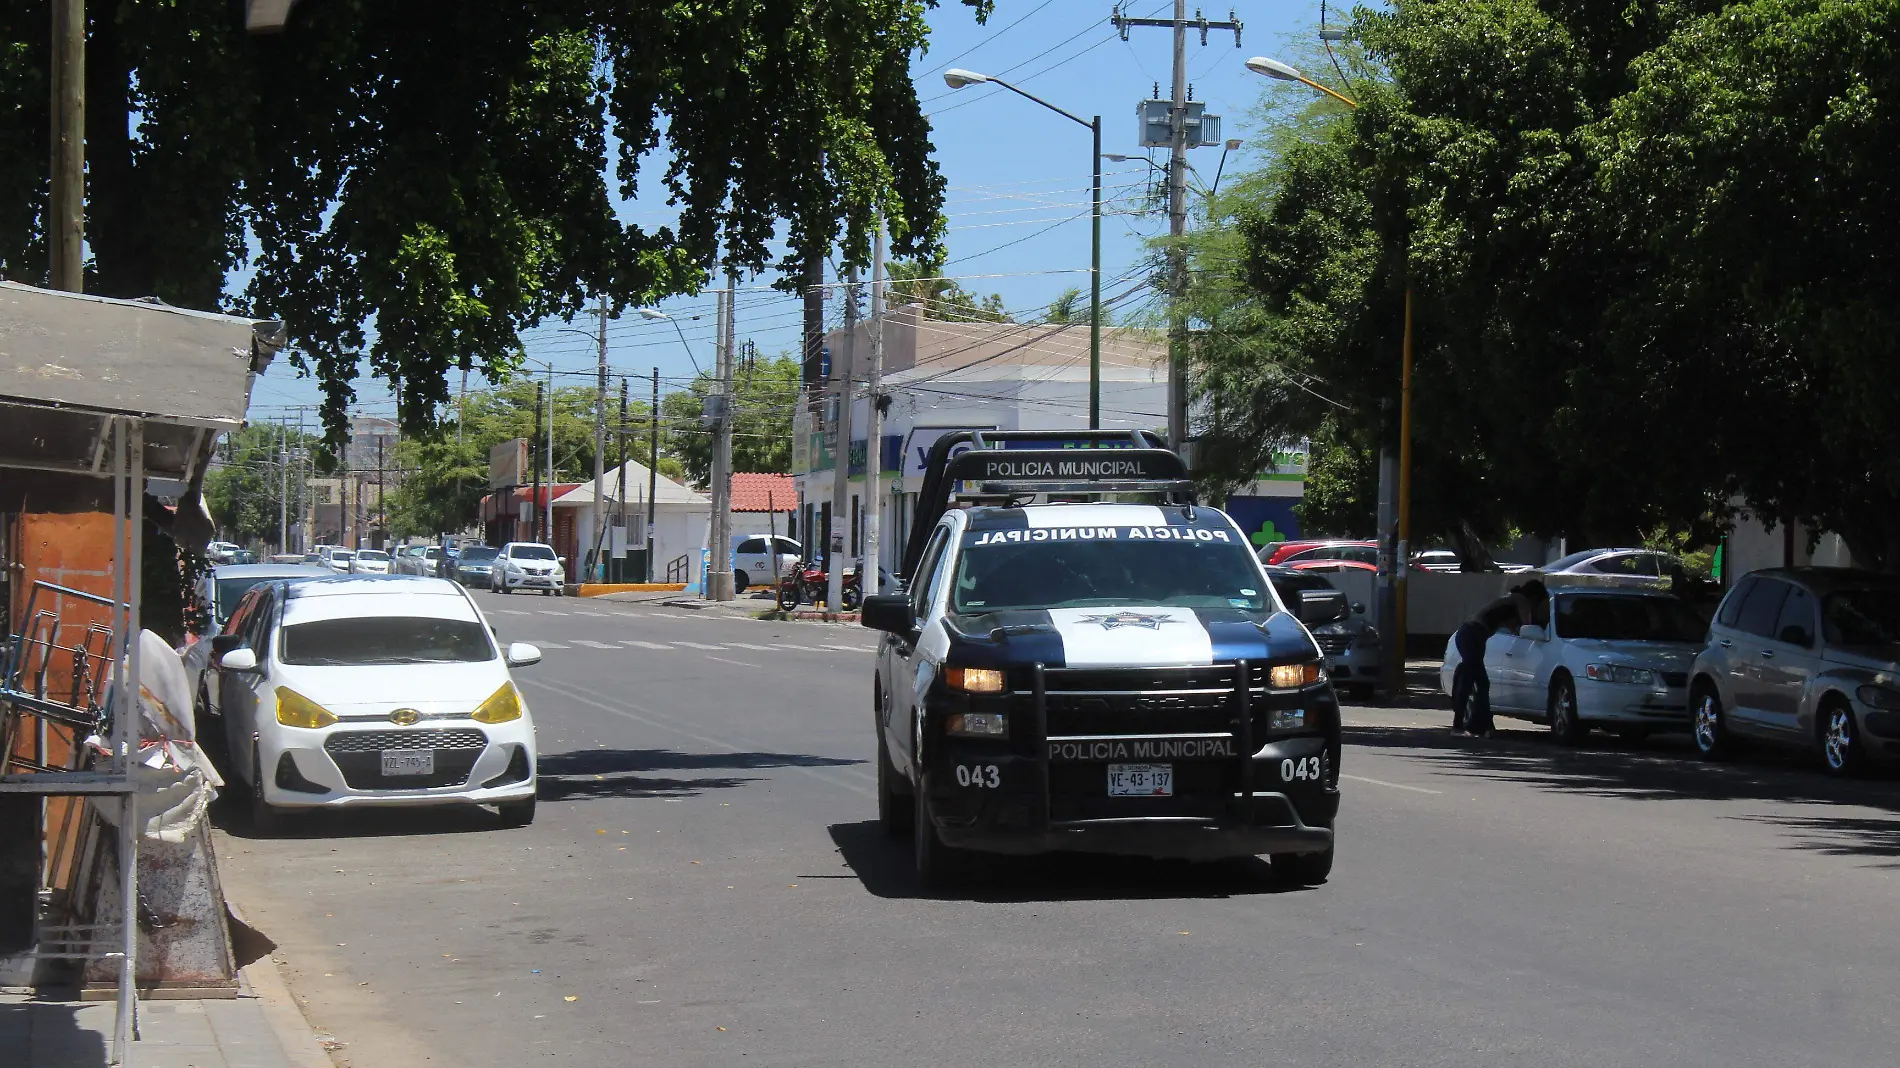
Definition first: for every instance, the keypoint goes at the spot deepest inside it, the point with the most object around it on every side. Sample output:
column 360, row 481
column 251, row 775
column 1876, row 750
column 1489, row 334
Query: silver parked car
column 1612, row 567
column 1806, row 657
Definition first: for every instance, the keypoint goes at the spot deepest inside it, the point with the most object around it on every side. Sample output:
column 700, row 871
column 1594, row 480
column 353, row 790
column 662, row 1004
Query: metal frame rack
column 124, row 438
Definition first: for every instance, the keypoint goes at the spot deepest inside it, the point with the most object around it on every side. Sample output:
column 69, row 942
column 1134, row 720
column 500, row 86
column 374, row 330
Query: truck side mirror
column 890, row 613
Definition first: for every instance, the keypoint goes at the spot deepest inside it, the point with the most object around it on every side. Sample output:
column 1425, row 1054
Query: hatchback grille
column 358, row 755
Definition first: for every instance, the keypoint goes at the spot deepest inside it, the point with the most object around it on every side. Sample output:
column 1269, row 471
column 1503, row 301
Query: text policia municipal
column 998, row 537
column 1142, row 749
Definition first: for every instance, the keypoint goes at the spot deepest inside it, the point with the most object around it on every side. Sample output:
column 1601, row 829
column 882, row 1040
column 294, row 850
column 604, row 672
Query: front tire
column 1840, row 741
column 894, row 810
column 938, row 866
column 1565, row 727
column 1303, row 869
column 266, row 818
column 740, row 580
column 1708, row 727
column 788, row 596
column 516, row 813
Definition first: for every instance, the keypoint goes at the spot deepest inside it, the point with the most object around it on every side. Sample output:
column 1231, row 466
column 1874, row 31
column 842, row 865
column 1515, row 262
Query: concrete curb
column 602, row 589
column 294, row 1033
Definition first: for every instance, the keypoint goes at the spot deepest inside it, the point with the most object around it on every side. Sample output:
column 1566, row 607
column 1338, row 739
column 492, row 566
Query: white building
column 681, row 520
column 944, row 376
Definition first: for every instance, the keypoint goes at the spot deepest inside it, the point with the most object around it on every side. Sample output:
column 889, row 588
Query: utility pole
column 811, row 380
column 719, row 578
column 534, row 502
column 621, row 496
column 461, row 407
column 1177, row 201
column 874, row 430
column 841, row 454
column 547, row 524
column 653, row 465
column 600, row 448
column 283, row 489
column 66, row 210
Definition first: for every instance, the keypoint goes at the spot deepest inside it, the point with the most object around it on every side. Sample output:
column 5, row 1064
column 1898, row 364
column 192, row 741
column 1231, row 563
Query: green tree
column 244, row 490
column 1067, row 308
column 442, row 169
column 766, row 394
column 921, row 282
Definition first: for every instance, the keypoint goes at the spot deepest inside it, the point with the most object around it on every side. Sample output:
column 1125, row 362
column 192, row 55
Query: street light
column 656, row 314
column 1273, row 68
column 957, row 78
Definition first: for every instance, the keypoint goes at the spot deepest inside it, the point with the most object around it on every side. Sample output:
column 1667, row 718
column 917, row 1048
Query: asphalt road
column 706, row 885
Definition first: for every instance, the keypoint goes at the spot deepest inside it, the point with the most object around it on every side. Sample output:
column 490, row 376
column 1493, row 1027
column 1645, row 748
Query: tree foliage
column 765, row 395
column 244, row 490
column 440, row 170
column 921, row 282
column 1645, row 246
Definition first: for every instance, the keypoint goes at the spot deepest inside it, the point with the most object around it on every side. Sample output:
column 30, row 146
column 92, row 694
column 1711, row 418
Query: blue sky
column 1018, row 176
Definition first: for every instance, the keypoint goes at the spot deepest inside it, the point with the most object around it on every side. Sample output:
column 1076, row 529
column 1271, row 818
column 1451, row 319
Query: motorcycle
column 810, row 583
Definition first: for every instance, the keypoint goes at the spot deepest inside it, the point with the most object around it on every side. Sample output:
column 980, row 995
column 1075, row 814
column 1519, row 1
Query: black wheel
column 851, row 596
column 1840, row 740
column 1709, row 726
column 938, row 865
column 516, row 813
column 266, row 818
column 740, row 580
column 547, row 593
column 1303, row 869
column 1359, row 692
column 788, row 595
column 1633, row 735
column 1565, row 727
column 894, row 809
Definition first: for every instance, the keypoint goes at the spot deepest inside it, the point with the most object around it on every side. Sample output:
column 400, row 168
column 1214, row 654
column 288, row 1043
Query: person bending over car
column 1471, row 686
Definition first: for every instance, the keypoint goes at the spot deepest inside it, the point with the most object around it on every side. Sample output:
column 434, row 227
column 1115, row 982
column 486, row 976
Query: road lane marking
column 550, row 612
column 596, row 645
column 661, row 647
column 585, row 696
column 723, row 660
column 702, row 645
column 749, row 645
column 548, row 645
column 1393, row 785
column 849, row 648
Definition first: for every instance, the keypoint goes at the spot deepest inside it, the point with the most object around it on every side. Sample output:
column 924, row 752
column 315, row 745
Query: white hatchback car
column 528, row 565
column 1612, row 658
column 385, row 690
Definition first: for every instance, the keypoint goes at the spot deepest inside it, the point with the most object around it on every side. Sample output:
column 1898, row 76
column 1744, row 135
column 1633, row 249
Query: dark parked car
column 1806, row 657
column 475, row 567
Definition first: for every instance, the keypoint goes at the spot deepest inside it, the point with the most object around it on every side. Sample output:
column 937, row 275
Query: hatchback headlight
column 296, row 710
column 1631, row 676
column 501, row 707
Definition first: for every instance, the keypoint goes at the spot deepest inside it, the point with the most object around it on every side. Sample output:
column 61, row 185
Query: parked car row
column 1800, row 657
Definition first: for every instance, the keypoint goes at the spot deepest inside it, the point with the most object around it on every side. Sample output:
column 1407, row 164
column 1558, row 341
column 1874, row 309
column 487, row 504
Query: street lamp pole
column 1395, row 667
column 957, row 78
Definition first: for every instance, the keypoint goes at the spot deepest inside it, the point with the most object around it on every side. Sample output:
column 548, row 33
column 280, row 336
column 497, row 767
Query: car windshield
column 386, row 640
column 479, row 556
column 433, row 554
column 1629, row 619
column 342, row 556
column 1862, row 617
column 1101, row 566
column 373, row 555
column 531, row 552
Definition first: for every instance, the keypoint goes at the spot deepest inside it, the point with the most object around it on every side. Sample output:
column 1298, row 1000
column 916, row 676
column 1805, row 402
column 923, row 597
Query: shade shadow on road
column 586, row 774
column 1658, row 769
column 883, row 864
column 391, row 822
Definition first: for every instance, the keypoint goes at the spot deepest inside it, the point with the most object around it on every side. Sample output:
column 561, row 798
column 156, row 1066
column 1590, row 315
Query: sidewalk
column 261, row 1028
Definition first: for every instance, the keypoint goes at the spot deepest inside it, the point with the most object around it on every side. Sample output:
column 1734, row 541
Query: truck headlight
column 1630, row 676
column 974, row 680
column 977, row 724
column 1293, row 676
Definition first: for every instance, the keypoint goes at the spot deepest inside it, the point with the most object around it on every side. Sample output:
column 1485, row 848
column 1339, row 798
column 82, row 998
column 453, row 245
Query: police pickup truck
column 1095, row 675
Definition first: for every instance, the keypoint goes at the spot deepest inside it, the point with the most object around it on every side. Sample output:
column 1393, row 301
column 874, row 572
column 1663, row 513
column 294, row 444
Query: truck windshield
column 1105, row 566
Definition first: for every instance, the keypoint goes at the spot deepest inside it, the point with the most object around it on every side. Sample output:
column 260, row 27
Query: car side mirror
column 1359, row 608
column 1532, row 631
column 240, row 660
column 224, row 643
column 1317, row 607
column 521, row 654
column 890, row 613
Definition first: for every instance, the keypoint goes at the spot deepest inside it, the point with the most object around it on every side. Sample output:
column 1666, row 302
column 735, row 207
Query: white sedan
column 370, row 562
column 373, row 691
column 1617, row 659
